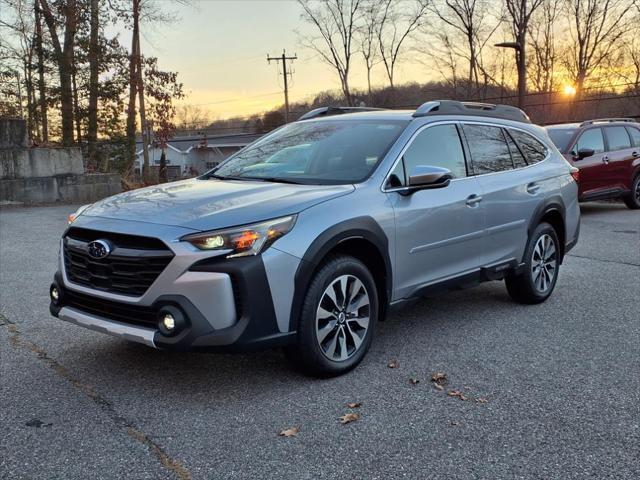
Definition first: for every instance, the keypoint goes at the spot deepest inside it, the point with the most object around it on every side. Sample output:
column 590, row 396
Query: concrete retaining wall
column 40, row 162
column 46, row 175
column 62, row 188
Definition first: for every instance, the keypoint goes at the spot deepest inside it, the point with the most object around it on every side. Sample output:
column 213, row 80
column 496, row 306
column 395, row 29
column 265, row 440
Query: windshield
column 561, row 137
column 322, row 152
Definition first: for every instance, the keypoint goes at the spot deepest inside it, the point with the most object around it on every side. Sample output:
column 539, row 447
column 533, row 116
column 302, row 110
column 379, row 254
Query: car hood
column 207, row 204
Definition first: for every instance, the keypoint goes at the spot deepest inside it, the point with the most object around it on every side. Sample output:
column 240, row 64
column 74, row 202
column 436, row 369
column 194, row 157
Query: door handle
column 533, row 188
column 473, row 200
column 605, row 159
column 635, row 154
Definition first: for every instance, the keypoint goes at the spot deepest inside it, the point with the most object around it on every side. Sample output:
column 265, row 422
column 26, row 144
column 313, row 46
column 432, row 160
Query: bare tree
column 542, row 40
column 367, row 38
column 42, row 100
column 94, row 71
column 469, row 28
column 519, row 13
column 336, row 23
column 596, row 27
column 395, row 26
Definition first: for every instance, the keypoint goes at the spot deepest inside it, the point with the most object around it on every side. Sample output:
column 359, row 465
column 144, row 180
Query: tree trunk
column 146, row 173
column 94, row 70
column 41, row 86
column 369, row 96
column 76, row 103
column 64, row 57
column 131, row 109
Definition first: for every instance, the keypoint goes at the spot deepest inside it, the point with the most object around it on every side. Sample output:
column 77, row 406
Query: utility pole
column 285, row 73
column 521, row 64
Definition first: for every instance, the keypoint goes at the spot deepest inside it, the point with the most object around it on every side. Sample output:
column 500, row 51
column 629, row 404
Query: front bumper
column 227, row 305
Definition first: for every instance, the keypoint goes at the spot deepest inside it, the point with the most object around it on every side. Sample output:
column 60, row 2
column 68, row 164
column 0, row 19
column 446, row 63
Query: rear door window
column 489, row 149
column 591, row 139
column 634, row 133
column 617, row 138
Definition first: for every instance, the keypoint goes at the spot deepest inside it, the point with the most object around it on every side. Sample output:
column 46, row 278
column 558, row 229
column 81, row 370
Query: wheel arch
column 552, row 211
column 360, row 237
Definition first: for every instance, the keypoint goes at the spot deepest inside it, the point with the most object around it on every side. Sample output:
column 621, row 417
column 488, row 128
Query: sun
column 569, row 90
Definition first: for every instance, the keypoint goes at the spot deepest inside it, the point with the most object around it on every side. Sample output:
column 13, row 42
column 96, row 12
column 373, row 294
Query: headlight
column 243, row 241
column 73, row 216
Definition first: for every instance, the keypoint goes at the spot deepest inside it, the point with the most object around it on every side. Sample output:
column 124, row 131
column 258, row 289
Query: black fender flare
column 365, row 228
column 554, row 203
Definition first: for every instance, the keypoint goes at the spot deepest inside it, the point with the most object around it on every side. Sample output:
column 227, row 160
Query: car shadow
column 117, row 364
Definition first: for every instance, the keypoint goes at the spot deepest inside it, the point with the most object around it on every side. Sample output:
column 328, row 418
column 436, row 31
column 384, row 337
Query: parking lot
column 547, row 391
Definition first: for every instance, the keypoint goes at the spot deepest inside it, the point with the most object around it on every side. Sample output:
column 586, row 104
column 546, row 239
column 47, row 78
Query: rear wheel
column 632, row 200
column 542, row 261
column 337, row 320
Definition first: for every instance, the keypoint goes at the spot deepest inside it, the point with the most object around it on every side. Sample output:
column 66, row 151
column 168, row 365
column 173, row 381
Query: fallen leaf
column 439, row 387
column 414, row 381
column 290, row 432
column 349, row 417
column 481, row 400
column 393, row 364
column 454, row 423
column 439, row 378
column 457, row 393
column 354, row 404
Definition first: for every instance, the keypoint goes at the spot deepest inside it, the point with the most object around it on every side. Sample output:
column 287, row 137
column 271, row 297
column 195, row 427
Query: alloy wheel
column 342, row 318
column 544, row 263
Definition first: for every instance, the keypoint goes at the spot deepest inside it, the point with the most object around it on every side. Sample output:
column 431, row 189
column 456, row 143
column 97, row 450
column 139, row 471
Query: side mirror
column 424, row 176
column 585, row 152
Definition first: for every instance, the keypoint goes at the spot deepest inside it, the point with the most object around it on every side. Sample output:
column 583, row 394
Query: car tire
column 334, row 335
column 541, row 266
column 632, row 200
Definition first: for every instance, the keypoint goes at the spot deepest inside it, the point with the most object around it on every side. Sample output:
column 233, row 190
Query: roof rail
column 606, row 120
column 328, row 111
column 452, row 107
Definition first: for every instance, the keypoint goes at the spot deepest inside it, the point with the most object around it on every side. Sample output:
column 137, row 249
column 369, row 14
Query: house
column 190, row 155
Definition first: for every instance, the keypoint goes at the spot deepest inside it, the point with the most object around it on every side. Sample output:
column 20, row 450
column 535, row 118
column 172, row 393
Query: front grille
column 130, row 269
column 121, row 312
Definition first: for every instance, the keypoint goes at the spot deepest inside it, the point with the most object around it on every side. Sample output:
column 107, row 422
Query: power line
column 285, row 73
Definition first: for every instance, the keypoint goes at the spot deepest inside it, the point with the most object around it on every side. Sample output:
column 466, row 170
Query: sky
column 219, row 48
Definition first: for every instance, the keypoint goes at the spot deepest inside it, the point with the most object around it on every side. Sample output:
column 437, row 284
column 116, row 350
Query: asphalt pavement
column 547, row 391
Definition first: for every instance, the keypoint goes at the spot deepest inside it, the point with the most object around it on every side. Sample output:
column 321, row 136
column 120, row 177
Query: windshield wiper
column 274, row 180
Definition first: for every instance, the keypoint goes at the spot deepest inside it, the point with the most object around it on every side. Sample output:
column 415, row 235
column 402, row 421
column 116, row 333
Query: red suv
column 607, row 153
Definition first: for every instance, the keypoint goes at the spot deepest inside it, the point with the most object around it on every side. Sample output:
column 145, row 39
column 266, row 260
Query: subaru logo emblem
column 99, row 248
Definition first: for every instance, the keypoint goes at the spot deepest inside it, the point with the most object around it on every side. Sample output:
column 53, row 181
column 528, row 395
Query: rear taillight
column 575, row 173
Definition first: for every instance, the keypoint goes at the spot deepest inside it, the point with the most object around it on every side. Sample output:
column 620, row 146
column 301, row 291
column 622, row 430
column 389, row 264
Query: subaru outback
column 607, row 153
column 379, row 208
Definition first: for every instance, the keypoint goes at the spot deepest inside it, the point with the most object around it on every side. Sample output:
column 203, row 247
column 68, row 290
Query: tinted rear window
column 561, row 137
column 533, row 150
column 635, row 136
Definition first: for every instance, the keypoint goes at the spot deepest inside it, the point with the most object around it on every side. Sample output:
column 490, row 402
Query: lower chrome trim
column 110, row 327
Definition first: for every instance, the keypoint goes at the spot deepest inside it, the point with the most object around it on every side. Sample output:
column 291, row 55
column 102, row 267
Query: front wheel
column 541, row 265
column 632, row 200
column 338, row 317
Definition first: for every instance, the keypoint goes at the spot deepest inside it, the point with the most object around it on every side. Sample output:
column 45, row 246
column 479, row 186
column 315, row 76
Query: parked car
column 391, row 206
column 607, row 153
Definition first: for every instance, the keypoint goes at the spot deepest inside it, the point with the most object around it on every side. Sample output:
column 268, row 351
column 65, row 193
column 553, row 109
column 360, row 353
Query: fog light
column 54, row 293
column 169, row 322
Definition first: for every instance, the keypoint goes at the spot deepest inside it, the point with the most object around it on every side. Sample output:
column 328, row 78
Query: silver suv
column 306, row 249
